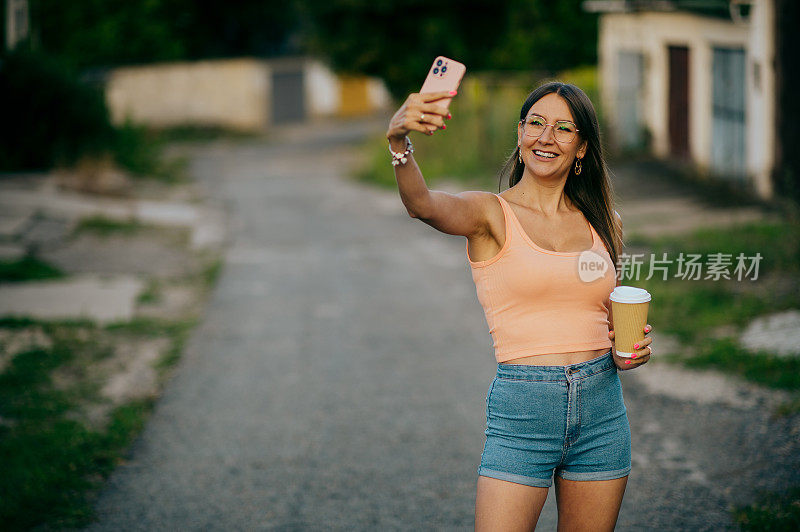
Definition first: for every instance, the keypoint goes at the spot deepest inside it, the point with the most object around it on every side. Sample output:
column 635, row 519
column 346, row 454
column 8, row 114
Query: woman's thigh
column 589, row 505
column 507, row 506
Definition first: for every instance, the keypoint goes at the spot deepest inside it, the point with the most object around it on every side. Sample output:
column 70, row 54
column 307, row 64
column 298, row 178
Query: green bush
column 52, row 119
column 764, row 367
column 49, row 117
column 138, row 150
column 774, row 511
column 27, row 268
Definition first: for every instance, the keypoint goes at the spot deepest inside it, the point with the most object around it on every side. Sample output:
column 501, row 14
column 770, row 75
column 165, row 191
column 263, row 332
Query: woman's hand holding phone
column 425, row 111
column 420, row 112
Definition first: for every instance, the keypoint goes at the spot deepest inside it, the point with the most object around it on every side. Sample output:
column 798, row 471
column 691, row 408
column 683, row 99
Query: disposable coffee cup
column 629, row 307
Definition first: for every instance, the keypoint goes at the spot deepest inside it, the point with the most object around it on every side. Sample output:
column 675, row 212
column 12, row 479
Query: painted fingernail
column 444, row 126
column 636, row 346
column 627, row 361
column 633, row 356
column 449, row 116
column 453, row 93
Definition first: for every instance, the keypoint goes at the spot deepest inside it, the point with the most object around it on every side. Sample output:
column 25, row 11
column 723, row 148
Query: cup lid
column 629, row 294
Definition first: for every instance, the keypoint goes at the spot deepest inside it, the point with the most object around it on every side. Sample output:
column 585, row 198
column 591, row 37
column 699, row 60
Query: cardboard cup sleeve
column 629, row 306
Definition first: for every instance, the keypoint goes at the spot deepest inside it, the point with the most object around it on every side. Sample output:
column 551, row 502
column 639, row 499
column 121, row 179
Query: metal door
column 629, row 124
column 679, row 101
column 288, row 96
column 728, row 146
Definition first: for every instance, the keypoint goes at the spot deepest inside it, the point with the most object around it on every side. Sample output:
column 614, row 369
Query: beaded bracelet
column 401, row 158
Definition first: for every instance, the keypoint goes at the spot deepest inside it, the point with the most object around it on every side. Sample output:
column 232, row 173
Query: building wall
column 235, row 93
column 17, row 24
column 650, row 33
column 761, row 93
column 226, row 93
column 378, row 94
column 322, row 90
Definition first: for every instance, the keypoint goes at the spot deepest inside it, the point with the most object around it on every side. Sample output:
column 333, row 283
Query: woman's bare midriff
column 559, row 359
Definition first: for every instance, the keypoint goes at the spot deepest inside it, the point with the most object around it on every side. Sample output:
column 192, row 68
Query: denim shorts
column 568, row 420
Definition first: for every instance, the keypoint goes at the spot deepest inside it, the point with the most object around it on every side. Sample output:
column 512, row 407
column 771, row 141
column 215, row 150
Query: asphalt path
column 339, row 375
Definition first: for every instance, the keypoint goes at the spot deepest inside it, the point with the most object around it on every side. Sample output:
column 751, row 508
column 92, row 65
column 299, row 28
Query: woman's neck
column 545, row 196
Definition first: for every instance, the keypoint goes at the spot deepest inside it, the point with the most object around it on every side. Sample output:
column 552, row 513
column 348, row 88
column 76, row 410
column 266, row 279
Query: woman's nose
column 547, row 135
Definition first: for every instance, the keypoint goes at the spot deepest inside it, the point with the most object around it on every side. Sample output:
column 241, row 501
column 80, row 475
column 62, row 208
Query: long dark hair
column 591, row 191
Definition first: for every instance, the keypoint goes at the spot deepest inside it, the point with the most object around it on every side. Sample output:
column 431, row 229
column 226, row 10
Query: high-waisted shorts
column 565, row 420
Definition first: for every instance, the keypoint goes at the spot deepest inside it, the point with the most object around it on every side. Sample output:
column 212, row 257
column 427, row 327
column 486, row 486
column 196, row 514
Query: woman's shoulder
column 488, row 207
column 485, row 201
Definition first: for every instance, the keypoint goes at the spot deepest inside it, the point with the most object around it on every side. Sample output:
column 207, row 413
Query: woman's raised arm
column 454, row 214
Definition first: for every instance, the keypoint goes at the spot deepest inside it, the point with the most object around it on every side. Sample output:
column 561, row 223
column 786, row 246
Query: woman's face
column 544, row 156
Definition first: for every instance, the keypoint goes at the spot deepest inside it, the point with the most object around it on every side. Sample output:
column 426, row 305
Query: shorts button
column 572, row 370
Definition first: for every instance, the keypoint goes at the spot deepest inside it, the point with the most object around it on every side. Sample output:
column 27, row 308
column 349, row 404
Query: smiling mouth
column 545, row 154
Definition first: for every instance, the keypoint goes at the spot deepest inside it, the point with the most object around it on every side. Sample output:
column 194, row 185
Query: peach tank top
column 539, row 301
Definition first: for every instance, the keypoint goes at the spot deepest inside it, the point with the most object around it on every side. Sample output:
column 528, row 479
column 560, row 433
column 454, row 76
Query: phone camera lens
column 444, row 69
column 439, row 62
column 435, row 70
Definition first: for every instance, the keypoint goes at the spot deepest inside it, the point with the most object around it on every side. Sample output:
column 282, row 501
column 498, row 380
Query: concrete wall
column 322, row 90
column 650, row 33
column 359, row 95
column 227, row 93
column 233, row 93
column 761, row 96
column 17, row 22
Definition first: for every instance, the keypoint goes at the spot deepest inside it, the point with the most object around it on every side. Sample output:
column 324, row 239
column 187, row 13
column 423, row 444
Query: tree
column 392, row 39
column 92, row 33
column 397, row 39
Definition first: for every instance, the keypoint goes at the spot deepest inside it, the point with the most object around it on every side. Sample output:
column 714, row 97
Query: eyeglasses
column 563, row 130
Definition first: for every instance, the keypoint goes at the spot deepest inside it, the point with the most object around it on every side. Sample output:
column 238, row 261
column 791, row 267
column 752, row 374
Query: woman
column 555, row 408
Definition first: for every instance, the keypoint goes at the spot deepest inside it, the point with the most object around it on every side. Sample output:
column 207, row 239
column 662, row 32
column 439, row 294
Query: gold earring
column 578, row 167
column 519, row 154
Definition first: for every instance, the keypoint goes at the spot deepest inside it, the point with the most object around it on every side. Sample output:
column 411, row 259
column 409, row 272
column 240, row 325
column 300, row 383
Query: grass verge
column 28, row 268
column 776, row 512
column 141, row 151
column 53, row 460
column 201, row 133
column 151, row 294
column 763, row 367
column 778, row 243
column 177, row 330
column 708, row 314
column 103, row 226
column 695, row 310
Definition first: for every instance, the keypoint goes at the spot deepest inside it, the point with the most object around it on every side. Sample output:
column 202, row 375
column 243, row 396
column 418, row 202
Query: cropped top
column 539, row 301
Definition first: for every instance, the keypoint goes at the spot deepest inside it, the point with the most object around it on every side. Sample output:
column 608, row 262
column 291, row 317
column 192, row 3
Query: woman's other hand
column 420, row 113
column 642, row 354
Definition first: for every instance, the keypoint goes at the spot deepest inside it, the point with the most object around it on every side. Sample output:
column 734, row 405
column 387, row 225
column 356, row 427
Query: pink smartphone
column 445, row 75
